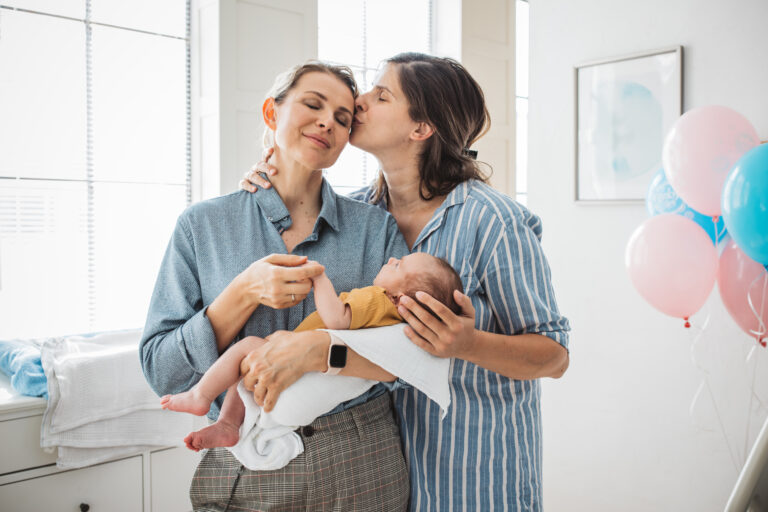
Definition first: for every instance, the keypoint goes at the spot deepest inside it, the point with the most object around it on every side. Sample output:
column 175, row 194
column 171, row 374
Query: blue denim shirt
column 215, row 240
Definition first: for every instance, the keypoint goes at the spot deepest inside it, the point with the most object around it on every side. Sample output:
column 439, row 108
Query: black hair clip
column 471, row 153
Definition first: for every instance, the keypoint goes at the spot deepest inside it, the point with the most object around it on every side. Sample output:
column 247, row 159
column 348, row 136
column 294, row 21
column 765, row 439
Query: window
column 94, row 159
column 522, row 22
column 359, row 34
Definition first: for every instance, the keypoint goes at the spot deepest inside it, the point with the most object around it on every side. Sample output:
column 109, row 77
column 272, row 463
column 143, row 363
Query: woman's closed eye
column 343, row 121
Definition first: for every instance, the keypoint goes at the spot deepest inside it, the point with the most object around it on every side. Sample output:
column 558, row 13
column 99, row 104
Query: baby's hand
column 320, row 276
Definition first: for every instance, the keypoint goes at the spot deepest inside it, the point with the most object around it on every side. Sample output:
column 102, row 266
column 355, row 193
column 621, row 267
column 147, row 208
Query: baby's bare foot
column 220, row 434
column 190, row 401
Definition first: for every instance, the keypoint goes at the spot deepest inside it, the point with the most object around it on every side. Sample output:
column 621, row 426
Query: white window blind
column 94, row 159
column 361, row 34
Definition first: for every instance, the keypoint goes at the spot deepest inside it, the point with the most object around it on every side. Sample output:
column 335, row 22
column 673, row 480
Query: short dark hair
column 441, row 93
column 439, row 282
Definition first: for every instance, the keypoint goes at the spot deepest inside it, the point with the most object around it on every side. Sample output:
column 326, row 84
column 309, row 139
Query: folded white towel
column 99, row 403
column 95, row 378
column 268, row 441
column 72, row 458
column 160, row 428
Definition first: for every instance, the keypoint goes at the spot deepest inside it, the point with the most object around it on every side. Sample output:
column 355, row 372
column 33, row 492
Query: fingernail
column 404, row 299
column 420, row 295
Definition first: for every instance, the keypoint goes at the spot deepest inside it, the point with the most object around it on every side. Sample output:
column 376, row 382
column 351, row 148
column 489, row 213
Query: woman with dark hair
column 419, row 120
column 241, row 265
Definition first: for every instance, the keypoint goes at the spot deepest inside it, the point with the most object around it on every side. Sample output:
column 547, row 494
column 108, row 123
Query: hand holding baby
column 279, row 280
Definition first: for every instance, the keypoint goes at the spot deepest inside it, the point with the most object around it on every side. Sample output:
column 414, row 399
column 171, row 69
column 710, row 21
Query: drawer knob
column 84, row 507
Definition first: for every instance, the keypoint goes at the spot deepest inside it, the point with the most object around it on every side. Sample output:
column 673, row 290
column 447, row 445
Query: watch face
column 338, row 356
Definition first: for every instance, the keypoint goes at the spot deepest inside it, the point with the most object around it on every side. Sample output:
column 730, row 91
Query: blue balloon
column 745, row 203
column 662, row 198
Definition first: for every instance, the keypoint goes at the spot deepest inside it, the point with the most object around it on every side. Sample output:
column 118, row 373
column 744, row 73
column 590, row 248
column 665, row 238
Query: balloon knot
column 715, row 218
column 687, row 323
column 762, row 342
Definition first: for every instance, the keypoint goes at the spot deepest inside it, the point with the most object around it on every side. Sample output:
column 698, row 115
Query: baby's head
column 420, row 272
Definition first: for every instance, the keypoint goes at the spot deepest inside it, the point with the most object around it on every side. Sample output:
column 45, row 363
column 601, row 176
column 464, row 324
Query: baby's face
column 397, row 274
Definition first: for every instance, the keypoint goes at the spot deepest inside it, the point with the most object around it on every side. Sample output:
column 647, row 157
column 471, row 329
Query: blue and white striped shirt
column 486, row 454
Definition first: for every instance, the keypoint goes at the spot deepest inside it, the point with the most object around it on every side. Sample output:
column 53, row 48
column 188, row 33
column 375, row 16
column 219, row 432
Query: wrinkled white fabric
column 99, row 404
column 268, row 441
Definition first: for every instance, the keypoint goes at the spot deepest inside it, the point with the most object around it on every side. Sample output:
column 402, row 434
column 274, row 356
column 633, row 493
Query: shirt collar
column 329, row 212
column 456, row 196
column 274, row 208
column 272, row 204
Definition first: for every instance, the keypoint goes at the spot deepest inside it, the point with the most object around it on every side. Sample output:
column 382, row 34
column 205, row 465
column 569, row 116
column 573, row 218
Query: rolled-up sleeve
column 178, row 343
column 518, row 285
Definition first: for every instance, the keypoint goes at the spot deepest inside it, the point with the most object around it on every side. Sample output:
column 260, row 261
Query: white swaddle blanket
column 268, row 441
column 99, row 403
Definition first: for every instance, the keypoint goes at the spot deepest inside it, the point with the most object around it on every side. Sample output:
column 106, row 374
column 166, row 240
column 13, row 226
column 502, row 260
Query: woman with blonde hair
column 241, row 265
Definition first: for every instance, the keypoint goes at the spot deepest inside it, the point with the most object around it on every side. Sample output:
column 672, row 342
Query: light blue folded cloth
column 20, row 360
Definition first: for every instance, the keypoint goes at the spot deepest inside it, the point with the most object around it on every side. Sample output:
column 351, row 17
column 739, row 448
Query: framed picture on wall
column 625, row 107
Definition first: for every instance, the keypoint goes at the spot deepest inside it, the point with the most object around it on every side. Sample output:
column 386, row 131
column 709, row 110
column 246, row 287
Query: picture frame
column 624, row 108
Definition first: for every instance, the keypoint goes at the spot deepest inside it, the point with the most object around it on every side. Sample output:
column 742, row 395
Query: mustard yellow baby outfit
column 370, row 307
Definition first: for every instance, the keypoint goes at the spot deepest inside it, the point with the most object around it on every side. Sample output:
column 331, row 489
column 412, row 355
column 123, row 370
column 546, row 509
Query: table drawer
column 20, row 441
column 114, row 487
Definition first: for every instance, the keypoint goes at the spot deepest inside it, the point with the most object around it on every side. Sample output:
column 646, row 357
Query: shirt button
column 308, row 431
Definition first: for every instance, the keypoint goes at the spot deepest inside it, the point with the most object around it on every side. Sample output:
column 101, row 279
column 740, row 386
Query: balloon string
column 719, row 234
column 697, row 333
column 715, row 220
column 749, row 408
column 722, row 427
column 761, row 330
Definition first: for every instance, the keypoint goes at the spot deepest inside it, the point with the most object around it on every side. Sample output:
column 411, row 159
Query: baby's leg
column 226, row 431
column 221, row 375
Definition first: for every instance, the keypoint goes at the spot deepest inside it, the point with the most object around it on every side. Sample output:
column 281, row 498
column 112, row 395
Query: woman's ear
column 423, row 131
column 268, row 111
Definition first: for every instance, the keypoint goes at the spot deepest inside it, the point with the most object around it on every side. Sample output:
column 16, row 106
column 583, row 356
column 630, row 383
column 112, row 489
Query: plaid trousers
column 352, row 460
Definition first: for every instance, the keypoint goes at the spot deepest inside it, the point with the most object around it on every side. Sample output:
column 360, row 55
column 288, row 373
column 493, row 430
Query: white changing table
column 156, row 481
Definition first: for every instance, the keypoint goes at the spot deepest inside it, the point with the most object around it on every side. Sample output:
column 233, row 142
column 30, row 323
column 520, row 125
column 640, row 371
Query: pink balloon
column 672, row 263
column 737, row 277
column 700, row 150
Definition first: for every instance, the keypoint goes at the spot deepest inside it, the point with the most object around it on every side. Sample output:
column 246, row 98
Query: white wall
column 488, row 52
column 481, row 35
column 618, row 434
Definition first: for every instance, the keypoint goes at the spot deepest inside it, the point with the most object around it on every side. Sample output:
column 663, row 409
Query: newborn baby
column 372, row 306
